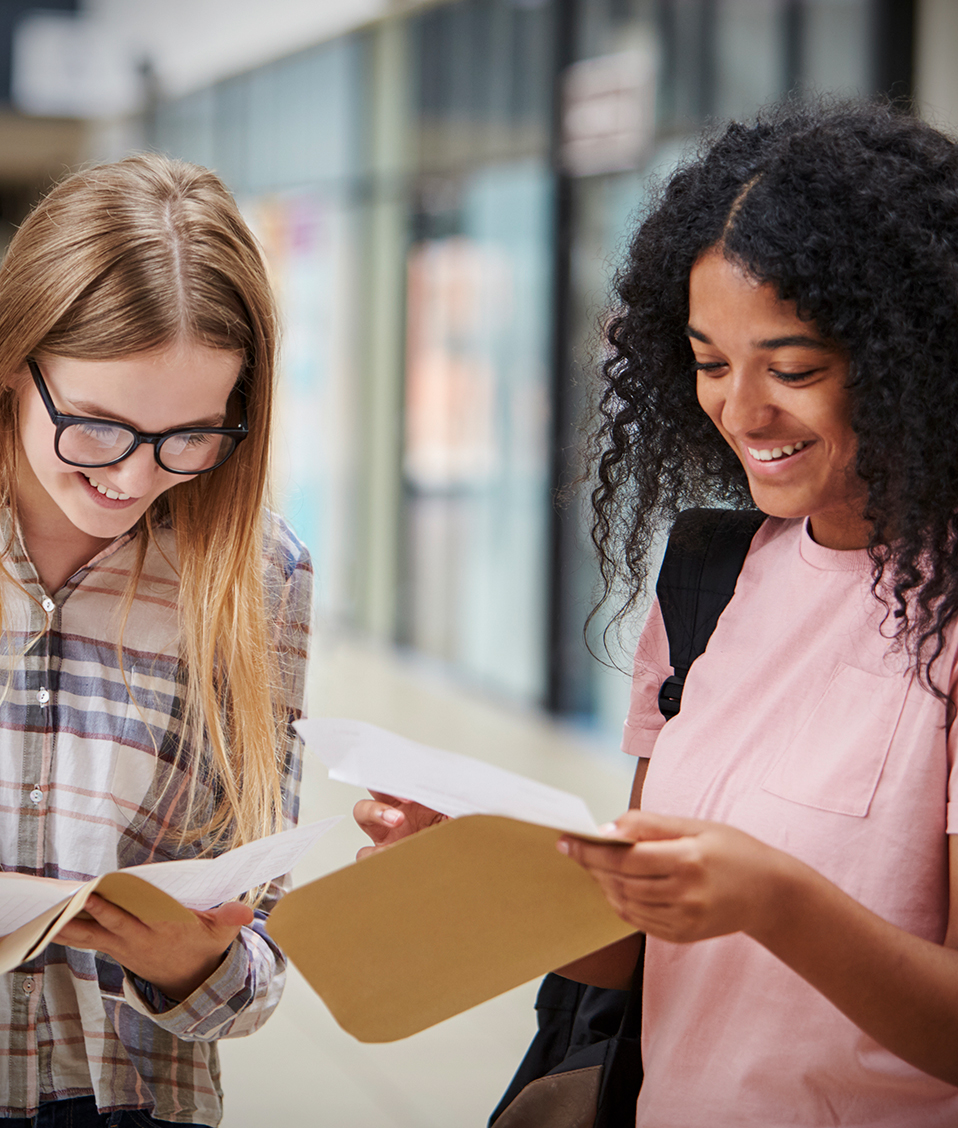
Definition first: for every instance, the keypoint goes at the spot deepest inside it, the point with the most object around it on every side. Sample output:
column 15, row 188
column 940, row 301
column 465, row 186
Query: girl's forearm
column 612, row 966
column 899, row 989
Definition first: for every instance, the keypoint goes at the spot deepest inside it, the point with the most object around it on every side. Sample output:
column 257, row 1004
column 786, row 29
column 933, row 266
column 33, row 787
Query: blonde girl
column 155, row 622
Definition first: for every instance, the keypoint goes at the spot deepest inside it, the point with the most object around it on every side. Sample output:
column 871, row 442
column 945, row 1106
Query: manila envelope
column 126, row 890
column 441, row 921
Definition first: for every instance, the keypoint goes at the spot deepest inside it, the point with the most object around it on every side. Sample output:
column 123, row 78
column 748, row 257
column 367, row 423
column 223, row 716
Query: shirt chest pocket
column 835, row 759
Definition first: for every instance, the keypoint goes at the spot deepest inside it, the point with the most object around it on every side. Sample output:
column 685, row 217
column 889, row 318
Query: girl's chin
column 775, row 504
column 100, row 521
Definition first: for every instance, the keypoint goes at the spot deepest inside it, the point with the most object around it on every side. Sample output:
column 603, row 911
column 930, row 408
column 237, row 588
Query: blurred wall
column 191, row 43
column 936, row 62
column 444, row 194
column 444, row 191
column 33, row 152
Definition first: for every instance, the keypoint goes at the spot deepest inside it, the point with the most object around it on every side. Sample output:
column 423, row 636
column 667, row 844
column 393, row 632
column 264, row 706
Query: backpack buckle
column 670, row 696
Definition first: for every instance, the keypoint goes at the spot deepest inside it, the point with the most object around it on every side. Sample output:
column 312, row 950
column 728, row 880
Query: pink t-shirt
column 802, row 727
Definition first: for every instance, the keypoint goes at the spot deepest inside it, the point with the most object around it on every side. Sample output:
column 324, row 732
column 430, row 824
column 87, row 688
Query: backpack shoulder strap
column 705, row 553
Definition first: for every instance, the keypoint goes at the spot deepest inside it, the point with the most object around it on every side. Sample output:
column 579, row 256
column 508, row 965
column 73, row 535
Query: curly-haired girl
column 787, row 336
column 154, row 626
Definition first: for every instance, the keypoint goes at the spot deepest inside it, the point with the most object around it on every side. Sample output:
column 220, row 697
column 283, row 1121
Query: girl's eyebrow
column 799, row 341
column 796, row 341
column 93, row 410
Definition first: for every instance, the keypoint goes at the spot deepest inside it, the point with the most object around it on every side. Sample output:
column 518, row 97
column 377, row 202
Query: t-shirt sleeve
column 650, row 669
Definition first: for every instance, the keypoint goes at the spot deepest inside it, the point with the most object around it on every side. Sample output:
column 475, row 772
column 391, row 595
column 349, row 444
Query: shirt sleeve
column 246, row 987
column 650, row 669
column 236, row 999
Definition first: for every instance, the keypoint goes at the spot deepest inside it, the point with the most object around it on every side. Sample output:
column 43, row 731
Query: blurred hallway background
column 443, row 189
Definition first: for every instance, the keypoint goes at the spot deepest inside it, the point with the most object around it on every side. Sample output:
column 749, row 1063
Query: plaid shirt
column 85, row 788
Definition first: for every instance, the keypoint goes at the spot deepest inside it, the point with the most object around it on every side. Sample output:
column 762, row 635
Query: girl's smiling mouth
column 105, row 494
column 109, row 493
column 776, row 454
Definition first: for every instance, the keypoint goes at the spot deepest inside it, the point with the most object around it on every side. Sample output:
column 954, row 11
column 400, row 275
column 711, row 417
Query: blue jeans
column 81, row 1112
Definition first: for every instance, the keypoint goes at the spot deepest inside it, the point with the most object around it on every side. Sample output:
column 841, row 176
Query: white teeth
column 112, row 494
column 764, row 454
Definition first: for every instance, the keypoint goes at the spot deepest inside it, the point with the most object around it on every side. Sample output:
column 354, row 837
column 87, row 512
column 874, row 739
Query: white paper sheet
column 201, row 883
column 197, row 883
column 22, row 898
column 370, row 757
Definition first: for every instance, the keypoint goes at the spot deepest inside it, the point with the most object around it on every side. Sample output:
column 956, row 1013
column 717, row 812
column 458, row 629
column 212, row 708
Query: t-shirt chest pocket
column 835, row 759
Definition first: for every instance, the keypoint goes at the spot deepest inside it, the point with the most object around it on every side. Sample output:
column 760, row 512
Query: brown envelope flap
column 129, row 892
column 441, row 921
column 139, row 897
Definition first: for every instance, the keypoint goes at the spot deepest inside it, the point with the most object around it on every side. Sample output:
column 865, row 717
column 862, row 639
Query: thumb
column 230, row 916
column 645, row 826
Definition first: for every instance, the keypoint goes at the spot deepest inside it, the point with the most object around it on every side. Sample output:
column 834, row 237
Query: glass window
column 476, row 460
column 835, row 44
column 310, row 240
column 304, row 117
column 187, row 128
column 750, row 56
column 483, row 82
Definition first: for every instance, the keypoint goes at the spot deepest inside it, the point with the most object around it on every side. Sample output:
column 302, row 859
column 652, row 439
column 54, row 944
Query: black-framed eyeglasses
column 101, row 442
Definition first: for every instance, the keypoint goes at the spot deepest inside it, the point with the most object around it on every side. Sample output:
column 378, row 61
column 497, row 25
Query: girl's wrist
column 184, row 986
column 787, row 892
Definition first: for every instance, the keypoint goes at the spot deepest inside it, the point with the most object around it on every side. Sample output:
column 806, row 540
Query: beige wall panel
column 36, row 150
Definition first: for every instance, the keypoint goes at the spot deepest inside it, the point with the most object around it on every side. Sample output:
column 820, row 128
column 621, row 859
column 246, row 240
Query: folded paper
column 362, row 754
column 33, row 909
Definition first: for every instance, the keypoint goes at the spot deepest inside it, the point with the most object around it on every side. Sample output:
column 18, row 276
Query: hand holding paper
column 387, row 820
column 477, row 904
column 174, row 955
column 453, row 785
column 33, row 908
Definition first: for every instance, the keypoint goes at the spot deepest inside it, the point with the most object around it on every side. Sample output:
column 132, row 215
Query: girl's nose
column 136, row 474
column 747, row 406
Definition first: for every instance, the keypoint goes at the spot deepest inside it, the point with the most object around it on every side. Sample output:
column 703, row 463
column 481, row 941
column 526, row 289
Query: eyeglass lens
column 97, row 444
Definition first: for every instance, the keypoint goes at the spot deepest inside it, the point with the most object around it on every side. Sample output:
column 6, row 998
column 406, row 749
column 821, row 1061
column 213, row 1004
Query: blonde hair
column 128, row 257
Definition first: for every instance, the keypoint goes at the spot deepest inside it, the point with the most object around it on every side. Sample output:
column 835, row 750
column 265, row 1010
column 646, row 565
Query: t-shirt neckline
column 831, row 559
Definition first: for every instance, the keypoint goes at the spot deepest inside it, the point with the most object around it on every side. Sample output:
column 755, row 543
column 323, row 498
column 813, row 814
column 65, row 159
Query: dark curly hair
column 851, row 211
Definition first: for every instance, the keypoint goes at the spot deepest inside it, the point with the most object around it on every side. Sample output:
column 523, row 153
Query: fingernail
column 608, row 829
column 391, row 816
column 562, row 846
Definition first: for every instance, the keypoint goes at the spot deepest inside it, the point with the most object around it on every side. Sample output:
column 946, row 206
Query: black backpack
column 594, row 1032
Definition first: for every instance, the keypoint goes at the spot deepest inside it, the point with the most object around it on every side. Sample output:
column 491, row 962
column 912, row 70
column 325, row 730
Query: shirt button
column 36, row 795
column 43, row 696
column 48, row 605
column 28, row 985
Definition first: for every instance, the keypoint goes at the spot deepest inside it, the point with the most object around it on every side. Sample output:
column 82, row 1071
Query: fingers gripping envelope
column 454, row 915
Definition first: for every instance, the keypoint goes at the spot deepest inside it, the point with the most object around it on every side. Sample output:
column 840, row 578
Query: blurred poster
column 458, row 293
column 608, row 112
